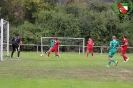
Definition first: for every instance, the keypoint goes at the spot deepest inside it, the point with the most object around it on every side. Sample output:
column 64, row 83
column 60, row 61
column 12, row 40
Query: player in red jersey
column 90, row 44
column 55, row 48
column 124, row 46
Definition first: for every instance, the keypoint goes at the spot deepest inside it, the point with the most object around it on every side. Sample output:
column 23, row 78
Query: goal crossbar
column 63, row 37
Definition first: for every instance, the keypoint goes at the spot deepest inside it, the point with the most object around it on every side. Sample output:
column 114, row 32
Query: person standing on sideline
column 90, row 44
column 114, row 45
column 15, row 45
column 124, row 46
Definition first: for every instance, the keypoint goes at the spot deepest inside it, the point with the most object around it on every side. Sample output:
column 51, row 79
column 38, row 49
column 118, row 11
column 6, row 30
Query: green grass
column 69, row 71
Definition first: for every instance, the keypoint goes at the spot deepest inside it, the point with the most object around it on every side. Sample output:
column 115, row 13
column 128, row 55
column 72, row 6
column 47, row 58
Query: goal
column 4, row 38
column 67, row 44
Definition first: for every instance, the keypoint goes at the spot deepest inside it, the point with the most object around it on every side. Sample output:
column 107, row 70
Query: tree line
column 34, row 19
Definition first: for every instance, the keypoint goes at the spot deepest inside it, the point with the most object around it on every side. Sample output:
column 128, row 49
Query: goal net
column 4, row 38
column 67, row 44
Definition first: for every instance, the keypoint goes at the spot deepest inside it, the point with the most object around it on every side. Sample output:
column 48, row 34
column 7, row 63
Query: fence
column 64, row 48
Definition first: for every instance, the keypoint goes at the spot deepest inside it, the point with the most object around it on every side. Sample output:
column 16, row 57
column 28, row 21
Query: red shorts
column 124, row 50
column 90, row 49
column 54, row 50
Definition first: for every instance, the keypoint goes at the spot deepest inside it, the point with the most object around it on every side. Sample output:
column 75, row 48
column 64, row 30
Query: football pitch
column 70, row 71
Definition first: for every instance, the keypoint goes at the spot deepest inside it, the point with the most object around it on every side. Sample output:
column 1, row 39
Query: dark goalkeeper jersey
column 16, row 40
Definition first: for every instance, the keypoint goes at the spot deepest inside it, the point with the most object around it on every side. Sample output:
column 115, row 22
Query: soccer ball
column 41, row 55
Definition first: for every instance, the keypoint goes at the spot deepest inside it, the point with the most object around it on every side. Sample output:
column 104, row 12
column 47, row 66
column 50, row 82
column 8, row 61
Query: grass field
column 69, row 71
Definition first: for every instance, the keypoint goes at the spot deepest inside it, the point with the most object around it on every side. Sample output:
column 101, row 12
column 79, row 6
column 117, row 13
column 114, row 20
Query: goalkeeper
column 52, row 42
column 15, row 45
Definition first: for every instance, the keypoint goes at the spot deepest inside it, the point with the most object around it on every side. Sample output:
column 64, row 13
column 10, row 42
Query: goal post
column 4, row 37
column 64, row 39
